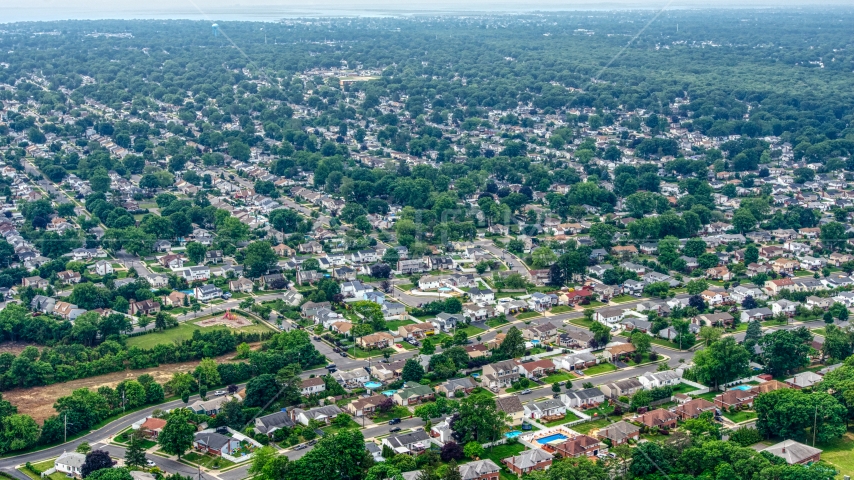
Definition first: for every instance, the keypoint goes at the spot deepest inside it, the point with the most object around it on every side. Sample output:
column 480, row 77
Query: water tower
column 215, row 30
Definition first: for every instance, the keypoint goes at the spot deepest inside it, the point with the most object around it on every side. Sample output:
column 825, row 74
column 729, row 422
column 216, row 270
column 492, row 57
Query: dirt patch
column 38, row 401
column 229, row 320
column 15, row 347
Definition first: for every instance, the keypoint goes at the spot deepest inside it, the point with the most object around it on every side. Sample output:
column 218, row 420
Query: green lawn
column 397, row 412
column 184, row 331
column 594, row 304
column 524, row 315
column 335, row 428
column 562, row 309
column 42, row 466
column 819, row 331
column 405, row 286
column 471, row 330
column 362, row 353
column 558, row 377
column 495, row 322
column 683, row 388
column 740, row 328
column 667, row 343
column 123, row 438
column 740, row 416
column 393, row 325
column 582, row 322
column 644, row 359
column 623, row 298
column 207, row 461
column 710, row 396
column 592, row 425
column 570, row 417
column 840, row 454
column 500, row 452
column 600, row 368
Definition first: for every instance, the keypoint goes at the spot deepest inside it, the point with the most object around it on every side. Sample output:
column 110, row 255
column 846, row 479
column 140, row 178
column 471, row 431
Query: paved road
column 511, row 260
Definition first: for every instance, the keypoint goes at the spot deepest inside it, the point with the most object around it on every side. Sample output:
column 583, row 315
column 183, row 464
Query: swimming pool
column 373, row 385
column 389, row 393
column 513, row 434
column 743, row 388
column 444, row 289
column 551, row 438
column 535, row 342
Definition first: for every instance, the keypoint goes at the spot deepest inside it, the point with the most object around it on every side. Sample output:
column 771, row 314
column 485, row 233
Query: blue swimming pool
column 444, row 289
column 373, row 385
column 743, row 388
column 535, row 342
column 189, row 292
column 551, row 438
column 513, row 434
column 389, row 393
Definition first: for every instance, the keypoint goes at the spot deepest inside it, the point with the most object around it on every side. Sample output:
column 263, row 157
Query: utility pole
column 814, row 423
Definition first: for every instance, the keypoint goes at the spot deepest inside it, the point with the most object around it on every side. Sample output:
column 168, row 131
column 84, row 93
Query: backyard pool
column 189, row 292
column 535, row 342
column 552, row 438
column 513, row 434
column 373, row 385
column 743, row 388
column 444, row 289
column 389, row 393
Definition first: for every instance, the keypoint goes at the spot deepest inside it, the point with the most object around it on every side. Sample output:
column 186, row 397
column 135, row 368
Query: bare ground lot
column 15, row 347
column 38, row 401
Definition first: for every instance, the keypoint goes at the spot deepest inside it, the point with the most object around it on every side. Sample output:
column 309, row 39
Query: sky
column 270, row 10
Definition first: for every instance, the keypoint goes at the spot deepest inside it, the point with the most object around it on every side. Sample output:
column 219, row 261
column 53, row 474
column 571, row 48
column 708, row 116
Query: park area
column 184, row 330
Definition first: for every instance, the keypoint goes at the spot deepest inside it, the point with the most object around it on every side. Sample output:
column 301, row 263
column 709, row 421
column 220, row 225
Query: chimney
column 784, row 449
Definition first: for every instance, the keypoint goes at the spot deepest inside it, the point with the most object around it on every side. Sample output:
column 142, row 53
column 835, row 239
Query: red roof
column 152, row 423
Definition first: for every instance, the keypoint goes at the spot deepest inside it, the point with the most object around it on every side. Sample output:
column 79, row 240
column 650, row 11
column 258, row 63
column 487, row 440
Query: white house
column 845, row 298
column 355, row 289
column 206, row 293
column 651, row 380
column 544, row 408
column 103, row 267
column 609, row 315
column 481, row 296
column 70, row 463
column 784, row 306
column 193, row 274
column 311, row 386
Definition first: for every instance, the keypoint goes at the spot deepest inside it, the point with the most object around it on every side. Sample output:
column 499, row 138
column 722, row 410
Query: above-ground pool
column 444, row 289
column 373, row 385
column 551, row 438
column 389, row 393
column 513, row 434
column 742, row 388
column 189, row 292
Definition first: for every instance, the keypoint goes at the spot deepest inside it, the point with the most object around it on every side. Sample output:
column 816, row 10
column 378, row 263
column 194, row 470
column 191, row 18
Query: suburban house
column 529, row 461
column 666, row 378
column 152, row 427
column 479, row 470
column 542, row 332
column 545, row 408
column 243, row 285
column 454, row 385
column 172, row 261
column 411, row 442
column 311, row 386
column 575, row 361
column 375, row 340
column 272, row 422
column 70, row 463
column 215, row 443
column 413, row 395
column 103, row 267
column 615, row 352
column 578, row 446
column 620, row 432
column 576, row 339
column 804, row 380
column 512, row 406
column 365, row 405
column 762, row 313
column 694, row 408
column 500, row 374
column 537, row 368
column 416, row 330
column 145, row 307
column 206, row 293
column 622, row 388
column 735, row 399
column 175, row 299
column 587, row 398
column 322, row 414
column 794, row 453
column 659, row 418
column 446, row 321
column 67, row 310
column 193, row 274
column 211, row 406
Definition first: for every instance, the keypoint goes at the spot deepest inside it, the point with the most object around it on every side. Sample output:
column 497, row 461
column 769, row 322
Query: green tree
column 473, row 450
column 642, row 343
column 412, row 371
column 696, row 286
column 721, row 362
column 177, row 435
column 478, row 420
column 196, row 252
column 743, row 220
column 601, row 333
column 338, row 455
column 259, row 258
column 19, row 432
column 785, row 350
column 513, row 345
column 790, row 413
column 135, row 452
column 833, row 235
column 751, row 254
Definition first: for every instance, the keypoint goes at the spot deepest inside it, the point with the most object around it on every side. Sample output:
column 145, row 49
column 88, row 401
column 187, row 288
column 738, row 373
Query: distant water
column 257, row 10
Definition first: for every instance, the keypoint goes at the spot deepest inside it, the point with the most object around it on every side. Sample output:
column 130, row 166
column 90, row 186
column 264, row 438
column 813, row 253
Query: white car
column 219, row 393
column 149, row 463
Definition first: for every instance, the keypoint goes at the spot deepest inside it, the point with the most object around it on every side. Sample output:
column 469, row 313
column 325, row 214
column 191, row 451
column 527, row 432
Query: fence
column 49, row 471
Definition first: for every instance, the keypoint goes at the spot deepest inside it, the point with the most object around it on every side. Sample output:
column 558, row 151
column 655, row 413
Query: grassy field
column 335, row 428
column 183, row 331
column 524, row 315
column 600, row 368
column 683, row 388
column 500, row 452
column 570, row 417
column 840, row 453
column 593, row 425
column 397, row 412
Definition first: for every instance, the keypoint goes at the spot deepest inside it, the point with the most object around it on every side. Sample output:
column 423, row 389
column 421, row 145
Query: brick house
column 145, row 307
column 735, row 399
column 694, row 408
column 578, row 446
column 619, row 433
column 529, row 461
column 659, row 418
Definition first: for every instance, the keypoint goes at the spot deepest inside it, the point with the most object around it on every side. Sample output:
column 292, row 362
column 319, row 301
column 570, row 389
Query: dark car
column 394, row 430
column 343, row 354
column 394, row 421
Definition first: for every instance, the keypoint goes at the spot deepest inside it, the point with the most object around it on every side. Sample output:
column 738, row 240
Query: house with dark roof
column 215, row 443
column 578, row 446
column 411, row 442
column 529, row 461
column 270, row 423
column 512, row 406
column 619, row 433
column 658, row 418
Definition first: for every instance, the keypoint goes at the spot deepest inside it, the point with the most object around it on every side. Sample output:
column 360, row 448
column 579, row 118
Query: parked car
column 343, row 354
column 525, row 391
column 394, row 421
column 219, row 393
column 149, row 463
column 394, row 430
column 226, row 295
